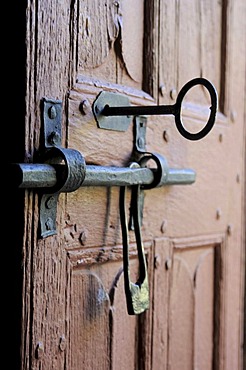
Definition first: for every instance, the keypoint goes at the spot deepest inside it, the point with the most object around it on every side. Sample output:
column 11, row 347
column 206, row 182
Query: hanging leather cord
column 137, row 294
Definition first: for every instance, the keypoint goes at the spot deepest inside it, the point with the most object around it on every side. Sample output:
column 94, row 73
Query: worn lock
column 65, row 170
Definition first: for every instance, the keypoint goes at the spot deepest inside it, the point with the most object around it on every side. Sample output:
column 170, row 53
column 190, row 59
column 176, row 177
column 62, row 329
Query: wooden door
column 69, row 287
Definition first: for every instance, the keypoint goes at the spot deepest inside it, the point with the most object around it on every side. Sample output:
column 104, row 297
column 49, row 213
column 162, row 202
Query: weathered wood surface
column 74, row 312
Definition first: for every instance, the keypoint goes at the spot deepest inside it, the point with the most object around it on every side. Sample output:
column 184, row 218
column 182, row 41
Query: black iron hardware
column 103, row 110
column 65, row 170
column 51, row 176
column 137, row 294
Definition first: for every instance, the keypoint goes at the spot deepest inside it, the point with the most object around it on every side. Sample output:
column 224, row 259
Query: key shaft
column 139, row 110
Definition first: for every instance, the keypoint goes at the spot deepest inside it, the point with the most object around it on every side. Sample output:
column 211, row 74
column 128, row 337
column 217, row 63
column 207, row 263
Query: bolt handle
column 174, row 109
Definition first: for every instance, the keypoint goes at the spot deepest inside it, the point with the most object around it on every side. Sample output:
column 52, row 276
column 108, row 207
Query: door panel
column 191, row 43
column 189, row 312
column 74, row 313
column 195, row 260
column 88, row 318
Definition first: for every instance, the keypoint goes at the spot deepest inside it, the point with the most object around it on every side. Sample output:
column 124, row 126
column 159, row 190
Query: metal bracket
column 140, row 126
column 52, row 115
column 139, row 148
column 68, row 163
column 48, row 209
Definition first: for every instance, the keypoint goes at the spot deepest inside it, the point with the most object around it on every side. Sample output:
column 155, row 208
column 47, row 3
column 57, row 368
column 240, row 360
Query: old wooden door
column 69, row 286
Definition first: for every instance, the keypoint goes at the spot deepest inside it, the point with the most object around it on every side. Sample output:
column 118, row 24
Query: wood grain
column 73, row 304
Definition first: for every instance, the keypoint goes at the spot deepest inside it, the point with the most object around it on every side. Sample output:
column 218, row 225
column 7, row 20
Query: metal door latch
column 65, row 170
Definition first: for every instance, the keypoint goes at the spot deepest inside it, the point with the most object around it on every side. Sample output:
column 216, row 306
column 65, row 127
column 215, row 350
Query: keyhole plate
column 114, row 100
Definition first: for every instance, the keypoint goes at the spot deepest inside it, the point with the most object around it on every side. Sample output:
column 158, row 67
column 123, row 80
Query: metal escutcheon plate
column 114, row 100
